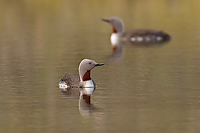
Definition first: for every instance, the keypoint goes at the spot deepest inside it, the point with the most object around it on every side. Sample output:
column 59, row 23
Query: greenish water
column 147, row 89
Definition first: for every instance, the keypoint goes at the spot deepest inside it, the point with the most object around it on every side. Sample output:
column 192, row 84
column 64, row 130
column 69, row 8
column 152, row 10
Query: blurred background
column 148, row 89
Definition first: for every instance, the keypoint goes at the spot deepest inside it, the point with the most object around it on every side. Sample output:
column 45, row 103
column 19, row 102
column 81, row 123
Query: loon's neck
column 85, row 76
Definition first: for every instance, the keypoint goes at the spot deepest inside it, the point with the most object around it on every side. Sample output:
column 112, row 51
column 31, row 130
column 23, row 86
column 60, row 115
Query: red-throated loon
column 137, row 36
column 81, row 79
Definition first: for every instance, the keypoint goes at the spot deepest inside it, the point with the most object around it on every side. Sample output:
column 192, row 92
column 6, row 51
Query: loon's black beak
column 105, row 20
column 99, row 64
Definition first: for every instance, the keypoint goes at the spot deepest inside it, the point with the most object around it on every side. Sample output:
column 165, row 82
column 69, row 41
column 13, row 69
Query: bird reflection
column 117, row 50
column 85, row 106
column 118, row 47
column 70, row 92
column 84, row 94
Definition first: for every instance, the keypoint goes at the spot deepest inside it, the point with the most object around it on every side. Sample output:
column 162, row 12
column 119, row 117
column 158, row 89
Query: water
column 146, row 89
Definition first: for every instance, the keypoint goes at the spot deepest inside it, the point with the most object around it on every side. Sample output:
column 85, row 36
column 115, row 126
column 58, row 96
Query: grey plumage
column 146, row 33
column 72, row 80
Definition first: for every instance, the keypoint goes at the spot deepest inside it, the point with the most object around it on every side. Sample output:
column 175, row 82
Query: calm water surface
column 150, row 89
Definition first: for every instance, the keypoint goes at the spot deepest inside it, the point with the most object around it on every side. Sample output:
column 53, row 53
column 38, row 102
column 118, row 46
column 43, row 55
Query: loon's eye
column 89, row 62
